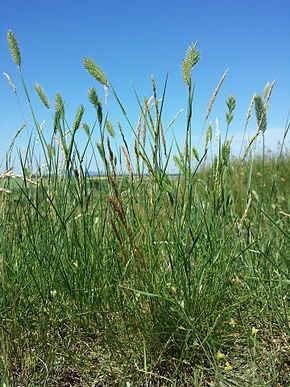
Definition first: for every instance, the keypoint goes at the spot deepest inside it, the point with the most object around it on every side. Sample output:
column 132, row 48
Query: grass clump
column 138, row 277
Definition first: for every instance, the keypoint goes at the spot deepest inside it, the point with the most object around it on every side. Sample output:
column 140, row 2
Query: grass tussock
column 139, row 277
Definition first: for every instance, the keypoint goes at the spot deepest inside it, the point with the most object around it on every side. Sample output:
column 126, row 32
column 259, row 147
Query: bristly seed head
column 110, row 128
column 231, row 104
column 13, row 47
column 211, row 102
column 96, row 71
column 191, row 58
column 260, row 113
column 95, row 101
column 59, row 105
column 78, row 118
column 93, row 97
column 128, row 161
column 42, row 95
column 101, row 150
column 208, row 136
column 87, row 129
column 10, row 82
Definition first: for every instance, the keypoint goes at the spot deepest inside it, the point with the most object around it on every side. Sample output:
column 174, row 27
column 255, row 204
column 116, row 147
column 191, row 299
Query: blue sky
column 131, row 40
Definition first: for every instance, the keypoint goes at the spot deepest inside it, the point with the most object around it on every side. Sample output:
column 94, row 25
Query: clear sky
column 131, row 40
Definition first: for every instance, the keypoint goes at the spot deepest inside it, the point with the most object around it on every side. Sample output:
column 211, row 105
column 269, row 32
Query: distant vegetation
column 142, row 278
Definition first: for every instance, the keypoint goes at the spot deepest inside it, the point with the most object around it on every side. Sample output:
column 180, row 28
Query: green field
column 140, row 278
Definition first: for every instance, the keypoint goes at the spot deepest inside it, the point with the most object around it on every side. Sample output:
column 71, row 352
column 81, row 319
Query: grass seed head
column 266, row 89
column 191, row 58
column 59, row 105
column 87, row 129
column 249, row 113
column 42, row 95
column 112, row 161
column 95, row 70
column 95, row 101
column 211, row 102
column 93, row 97
column 231, row 104
column 194, row 153
column 163, row 140
column 208, row 136
column 260, row 113
column 110, row 128
column 13, row 48
column 101, row 150
column 10, row 82
column 78, row 118
column 128, row 161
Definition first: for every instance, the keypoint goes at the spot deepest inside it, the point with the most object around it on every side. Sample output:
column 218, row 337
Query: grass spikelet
column 260, row 114
column 163, row 141
column 155, row 99
column 173, row 120
column 138, row 139
column 217, row 130
column 93, row 97
column 191, row 58
column 59, row 106
column 217, row 179
column 139, row 126
column 95, row 71
column 95, row 101
column 211, row 102
column 231, row 104
column 42, row 95
column 149, row 115
column 111, row 157
column 110, row 128
column 145, row 122
column 15, row 137
column 208, row 136
column 249, row 114
column 137, row 142
column 261, row 107
column 78, row 118
column 10, row 82
column 250, row 110
column 266, row 90
column 56, row 121
column 226, row 150
column 269, row 94
column 87, row 129
column 194, row 153
column 137, row 154
column 101, row 151
column 128, row 161
column 13, row 48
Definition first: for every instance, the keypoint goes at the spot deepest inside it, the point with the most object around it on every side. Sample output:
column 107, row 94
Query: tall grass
column 138, row 277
